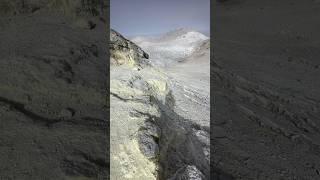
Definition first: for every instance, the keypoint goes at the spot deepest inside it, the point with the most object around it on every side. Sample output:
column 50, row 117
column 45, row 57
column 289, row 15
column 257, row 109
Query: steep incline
column 150, row 137
column 124, row 51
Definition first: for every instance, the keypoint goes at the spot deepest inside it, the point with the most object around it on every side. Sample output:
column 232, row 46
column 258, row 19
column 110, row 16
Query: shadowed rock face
column 53, row 110
column 188, row 173
column 124, row 51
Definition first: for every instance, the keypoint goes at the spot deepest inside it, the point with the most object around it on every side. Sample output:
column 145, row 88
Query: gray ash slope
column 53, row 108
column 265, row 78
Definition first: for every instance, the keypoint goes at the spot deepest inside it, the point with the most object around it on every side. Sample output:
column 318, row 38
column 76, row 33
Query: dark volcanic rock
column 148, row 145
column 148, row 138
column 123, row 50
column 188, row 173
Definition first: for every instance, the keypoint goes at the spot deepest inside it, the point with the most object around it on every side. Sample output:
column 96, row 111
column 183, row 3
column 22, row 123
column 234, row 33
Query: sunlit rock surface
column 160, row 117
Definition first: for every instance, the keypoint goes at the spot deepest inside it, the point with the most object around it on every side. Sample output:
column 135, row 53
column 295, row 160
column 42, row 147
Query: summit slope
column 170, row 47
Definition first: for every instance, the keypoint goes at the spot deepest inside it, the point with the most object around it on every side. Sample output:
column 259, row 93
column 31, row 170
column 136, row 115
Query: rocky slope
column 124, row 51
column 265, row 83
column 53, row 109
column 152, row 136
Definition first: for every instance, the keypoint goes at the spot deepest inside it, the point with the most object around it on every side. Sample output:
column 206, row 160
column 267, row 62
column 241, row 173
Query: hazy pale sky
column 147, row 17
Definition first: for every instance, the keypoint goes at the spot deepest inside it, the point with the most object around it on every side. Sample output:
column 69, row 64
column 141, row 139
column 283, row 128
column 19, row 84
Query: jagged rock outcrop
column 123, row 51
column 134, row 135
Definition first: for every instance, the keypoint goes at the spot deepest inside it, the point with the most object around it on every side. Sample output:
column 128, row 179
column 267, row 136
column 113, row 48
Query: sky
column 148, row 17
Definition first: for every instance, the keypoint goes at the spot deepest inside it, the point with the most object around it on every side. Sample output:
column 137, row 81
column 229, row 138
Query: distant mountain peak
column 180, row 31
column 184, row 33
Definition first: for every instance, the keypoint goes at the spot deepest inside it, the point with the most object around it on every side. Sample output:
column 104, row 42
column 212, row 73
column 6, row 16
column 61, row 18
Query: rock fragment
column 189, row 172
